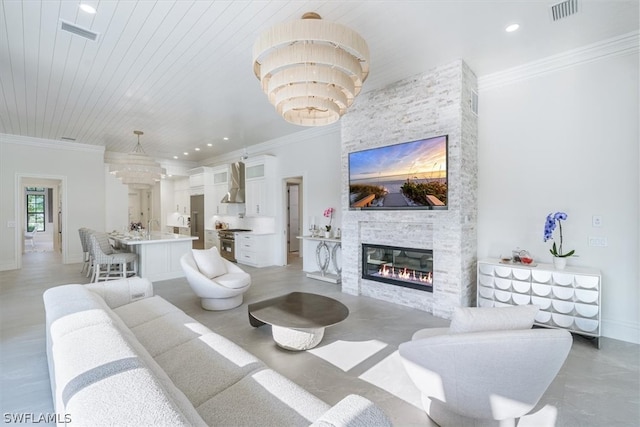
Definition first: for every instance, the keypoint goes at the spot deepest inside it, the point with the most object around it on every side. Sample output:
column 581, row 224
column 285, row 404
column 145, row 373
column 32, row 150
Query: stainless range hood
column 236, row 184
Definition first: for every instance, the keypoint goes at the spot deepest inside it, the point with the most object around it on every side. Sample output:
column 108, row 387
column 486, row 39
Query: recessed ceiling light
column 225, row 138
column 185, row 153
column 175, row 157
column 511, row 28
column 87, row 8
column 209, row 145
column 197, row 149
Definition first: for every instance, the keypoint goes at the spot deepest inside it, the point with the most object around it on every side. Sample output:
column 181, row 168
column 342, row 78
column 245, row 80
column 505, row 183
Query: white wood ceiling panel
column 110, row 23
column 181, row 71
column 13, row 79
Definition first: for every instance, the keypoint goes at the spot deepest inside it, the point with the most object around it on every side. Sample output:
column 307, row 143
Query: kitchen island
column 158, row 253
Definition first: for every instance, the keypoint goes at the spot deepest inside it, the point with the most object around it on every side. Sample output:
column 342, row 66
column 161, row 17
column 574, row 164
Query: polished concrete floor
column 596, row 387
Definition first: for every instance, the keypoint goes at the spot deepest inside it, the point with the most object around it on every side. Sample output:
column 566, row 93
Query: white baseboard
column 623, row 331
column 8, row 265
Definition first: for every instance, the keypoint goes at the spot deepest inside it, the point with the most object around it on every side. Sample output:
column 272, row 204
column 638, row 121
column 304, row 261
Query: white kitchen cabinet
column 182, row 198
column 255, row 250
column 568, row 299
column 211, row 239
column 219, row 189
column 199, row 180
column 260, row 184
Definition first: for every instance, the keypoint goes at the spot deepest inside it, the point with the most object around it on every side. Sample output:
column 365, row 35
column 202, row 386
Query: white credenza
column 568, row 299
column 255, row 250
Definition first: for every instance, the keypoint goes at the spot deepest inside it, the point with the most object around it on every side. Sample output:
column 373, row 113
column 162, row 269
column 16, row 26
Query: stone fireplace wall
column 431, row 104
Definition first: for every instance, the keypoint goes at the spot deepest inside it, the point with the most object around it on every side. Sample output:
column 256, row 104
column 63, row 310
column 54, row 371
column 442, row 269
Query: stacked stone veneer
column 431, row 104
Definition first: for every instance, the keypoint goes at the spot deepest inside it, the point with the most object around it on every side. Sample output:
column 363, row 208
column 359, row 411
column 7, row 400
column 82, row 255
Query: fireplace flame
column 405, row 274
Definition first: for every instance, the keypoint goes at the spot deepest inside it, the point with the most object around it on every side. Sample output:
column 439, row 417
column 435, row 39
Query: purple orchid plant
column 328, row 213
column 549, row 227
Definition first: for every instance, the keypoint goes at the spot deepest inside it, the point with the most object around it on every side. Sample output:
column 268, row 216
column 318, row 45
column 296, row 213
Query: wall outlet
column 597, row 241
column 596, row 221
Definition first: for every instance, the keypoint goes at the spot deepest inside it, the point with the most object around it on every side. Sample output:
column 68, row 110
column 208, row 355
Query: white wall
column 80, row 167
column 567, row 141
column 116, row 202
column 314, row 155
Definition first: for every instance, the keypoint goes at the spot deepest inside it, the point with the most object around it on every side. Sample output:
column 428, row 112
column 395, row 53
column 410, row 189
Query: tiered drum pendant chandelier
column 310, row 69
column 137, row 170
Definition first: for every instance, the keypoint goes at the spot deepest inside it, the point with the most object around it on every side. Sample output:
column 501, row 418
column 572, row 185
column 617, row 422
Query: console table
column 326, row 253
column 568, row 299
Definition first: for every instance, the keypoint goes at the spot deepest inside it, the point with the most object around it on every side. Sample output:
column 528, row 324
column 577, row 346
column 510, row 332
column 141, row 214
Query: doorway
column 40, row 208
column 293, row 224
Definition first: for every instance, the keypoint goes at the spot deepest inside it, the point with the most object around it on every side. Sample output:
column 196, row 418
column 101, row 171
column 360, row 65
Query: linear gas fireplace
column 408, row 267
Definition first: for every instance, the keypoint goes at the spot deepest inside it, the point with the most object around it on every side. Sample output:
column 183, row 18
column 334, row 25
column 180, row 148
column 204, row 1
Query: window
column 35, row 208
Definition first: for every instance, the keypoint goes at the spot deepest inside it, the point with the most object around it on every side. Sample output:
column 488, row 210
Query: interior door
column 197, row 221
column 293, row 211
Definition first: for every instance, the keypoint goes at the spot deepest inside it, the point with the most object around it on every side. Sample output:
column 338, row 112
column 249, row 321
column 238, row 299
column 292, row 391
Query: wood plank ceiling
column 181, row 70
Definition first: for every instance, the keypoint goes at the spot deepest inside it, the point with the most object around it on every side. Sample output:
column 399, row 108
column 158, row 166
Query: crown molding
column 49, row 143
column 621, row 45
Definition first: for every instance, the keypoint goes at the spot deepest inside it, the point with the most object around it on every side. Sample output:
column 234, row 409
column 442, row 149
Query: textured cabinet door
column 568, row 299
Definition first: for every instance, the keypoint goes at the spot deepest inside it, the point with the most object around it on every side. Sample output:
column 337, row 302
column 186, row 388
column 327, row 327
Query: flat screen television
column 409, row 175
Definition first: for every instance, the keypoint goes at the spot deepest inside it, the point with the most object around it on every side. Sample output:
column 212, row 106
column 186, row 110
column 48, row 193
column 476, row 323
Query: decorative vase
column 559, row 263
column 327, row 234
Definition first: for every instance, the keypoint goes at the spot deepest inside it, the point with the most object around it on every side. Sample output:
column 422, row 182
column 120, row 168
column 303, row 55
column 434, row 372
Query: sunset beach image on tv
column 401, row 176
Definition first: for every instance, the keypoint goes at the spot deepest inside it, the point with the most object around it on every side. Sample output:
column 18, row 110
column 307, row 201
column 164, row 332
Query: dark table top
column 299, row 310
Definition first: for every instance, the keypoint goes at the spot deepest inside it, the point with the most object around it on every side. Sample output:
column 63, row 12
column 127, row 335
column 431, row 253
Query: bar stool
column 84, row 241
column 108, row 264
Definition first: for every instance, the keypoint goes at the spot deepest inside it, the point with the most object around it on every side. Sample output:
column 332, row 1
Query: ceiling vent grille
column 78, row 31
column 67, row 138
column 563, row 9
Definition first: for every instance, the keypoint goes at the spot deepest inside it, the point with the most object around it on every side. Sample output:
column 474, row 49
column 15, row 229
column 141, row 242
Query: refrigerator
column 197, row 221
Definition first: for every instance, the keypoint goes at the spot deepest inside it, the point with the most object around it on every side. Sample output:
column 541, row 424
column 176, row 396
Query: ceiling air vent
column 67, row 138
column 78, row 31
column 563, row 9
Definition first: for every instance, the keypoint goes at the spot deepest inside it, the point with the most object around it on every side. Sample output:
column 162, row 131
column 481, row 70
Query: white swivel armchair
column 219, row 283
column 488, row 369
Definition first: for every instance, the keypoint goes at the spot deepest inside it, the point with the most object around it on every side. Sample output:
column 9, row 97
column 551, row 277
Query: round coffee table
column 297, row 319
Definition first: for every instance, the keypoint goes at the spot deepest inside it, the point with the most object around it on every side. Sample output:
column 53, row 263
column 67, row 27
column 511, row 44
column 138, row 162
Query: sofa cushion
column 204, row 366
column 86, row 379
column 117, row 293
column 269, row 399
column 352, row 411
column 477, row 319
column 168, row 331
column 144, row 311
column 209, row 262
column 137, row 395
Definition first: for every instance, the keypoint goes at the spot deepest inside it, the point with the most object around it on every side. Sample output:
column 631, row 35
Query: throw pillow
column 209, row 262
column 478, row 319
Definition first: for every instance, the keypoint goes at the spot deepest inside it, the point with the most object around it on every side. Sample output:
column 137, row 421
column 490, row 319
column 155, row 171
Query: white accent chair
column 219, row 283
column 489, row 368
column 31, row 236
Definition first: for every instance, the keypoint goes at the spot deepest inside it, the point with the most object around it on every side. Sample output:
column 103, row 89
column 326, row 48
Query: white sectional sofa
column 120, row 356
